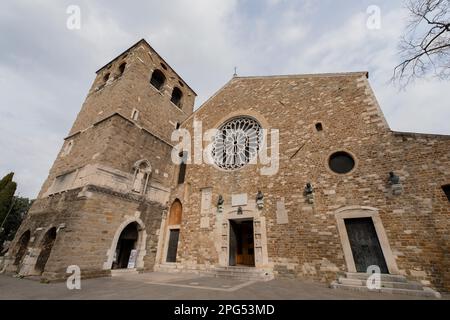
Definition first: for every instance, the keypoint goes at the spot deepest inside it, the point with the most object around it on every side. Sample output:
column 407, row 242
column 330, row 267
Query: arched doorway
column 125, row 245
column 22, row 247
column 174, row 230
column 46, row 249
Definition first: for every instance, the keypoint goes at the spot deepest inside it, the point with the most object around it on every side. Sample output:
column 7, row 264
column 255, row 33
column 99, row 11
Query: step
column 242, row 273
column 384, row 277
column 384, row 284
column 123, row 272
column 426, row 292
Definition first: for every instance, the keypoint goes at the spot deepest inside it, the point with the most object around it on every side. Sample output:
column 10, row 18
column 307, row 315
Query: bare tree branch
column 425, row 47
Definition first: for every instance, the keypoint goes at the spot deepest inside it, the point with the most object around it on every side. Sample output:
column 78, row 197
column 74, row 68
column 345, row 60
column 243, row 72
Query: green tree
column 7, row 190
column 12, row 223
column 6, row 179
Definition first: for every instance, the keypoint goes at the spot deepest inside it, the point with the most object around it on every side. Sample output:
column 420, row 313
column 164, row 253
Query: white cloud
column 46, row 69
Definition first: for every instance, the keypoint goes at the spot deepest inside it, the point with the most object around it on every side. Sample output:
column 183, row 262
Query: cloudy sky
column 46, row 69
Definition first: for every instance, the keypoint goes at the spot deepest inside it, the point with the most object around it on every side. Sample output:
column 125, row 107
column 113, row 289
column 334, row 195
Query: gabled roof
column 140, row 42
column 278, row 77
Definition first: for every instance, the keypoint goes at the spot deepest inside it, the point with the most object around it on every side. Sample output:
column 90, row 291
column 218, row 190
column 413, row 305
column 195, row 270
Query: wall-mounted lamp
column 260, row 200
column 220, row 202
column 309, row 193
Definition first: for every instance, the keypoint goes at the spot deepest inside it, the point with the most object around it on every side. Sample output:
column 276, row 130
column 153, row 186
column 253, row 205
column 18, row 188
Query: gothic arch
column 140, row 243
column 175, row 213
column 142, row 170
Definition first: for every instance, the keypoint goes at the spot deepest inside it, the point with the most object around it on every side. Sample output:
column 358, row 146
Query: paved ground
column 157, row 285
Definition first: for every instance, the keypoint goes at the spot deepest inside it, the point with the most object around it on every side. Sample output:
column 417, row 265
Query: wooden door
column 245, row 248
column 366, row 248
column 173, row 245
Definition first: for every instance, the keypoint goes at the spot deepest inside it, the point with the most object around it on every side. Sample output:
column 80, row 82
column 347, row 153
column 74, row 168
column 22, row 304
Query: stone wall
column 309, row 245
column 88, row 221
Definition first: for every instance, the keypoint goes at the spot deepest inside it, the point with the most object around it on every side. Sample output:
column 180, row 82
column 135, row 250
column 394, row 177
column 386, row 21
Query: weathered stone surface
column 300, row 238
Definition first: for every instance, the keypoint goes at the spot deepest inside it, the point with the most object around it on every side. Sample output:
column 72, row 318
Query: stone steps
column 384, row 277
column 242, row 273
column 123, row 272
column 394, row 284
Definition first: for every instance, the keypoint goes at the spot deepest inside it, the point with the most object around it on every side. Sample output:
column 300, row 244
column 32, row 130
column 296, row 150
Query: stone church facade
column 340, row 194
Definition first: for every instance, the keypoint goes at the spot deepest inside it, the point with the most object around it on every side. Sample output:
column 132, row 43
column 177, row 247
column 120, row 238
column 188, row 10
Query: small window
column 446, row 190
column 163, row 66
column 177, row 125
column 106, row 77
column 67, row 148
column 122, row 69
column 176, row 96
column 182, row 172
column 158, row 79
column 341, row 162
column 134, row 114
column 319, row 126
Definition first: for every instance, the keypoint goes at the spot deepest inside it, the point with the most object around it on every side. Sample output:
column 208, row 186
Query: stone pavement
column 169, row 286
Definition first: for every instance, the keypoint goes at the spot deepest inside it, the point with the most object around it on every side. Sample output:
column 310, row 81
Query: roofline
column 143, row 41
column 308, row 75
column 194, row 113
column 359, row 73
column 419, row 134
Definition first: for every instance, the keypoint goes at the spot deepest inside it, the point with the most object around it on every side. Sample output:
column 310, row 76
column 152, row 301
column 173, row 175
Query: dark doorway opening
column 242, row 251
column 366, row 248
column 127, row 242
column 46, row 249
column 22, row 247
column 173, row 245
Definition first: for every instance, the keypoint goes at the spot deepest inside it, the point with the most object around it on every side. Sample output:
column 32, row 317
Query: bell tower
column 113, row 175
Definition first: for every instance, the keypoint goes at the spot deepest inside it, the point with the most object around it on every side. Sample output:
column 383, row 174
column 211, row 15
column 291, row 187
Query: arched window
column 176, row 96
column 142, row 171
column 176, row 210
column 158, row 79
column 236, row 143
column 122, row 69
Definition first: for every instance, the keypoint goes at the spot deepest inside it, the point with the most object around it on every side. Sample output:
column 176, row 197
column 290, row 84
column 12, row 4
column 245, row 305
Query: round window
column 236, row 143
column 341, row 162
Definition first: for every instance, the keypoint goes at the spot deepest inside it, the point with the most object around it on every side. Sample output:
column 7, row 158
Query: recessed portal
column 173, row 245
column 242, row 250
column 173, row 230
column 127, row 242
column 366, row 248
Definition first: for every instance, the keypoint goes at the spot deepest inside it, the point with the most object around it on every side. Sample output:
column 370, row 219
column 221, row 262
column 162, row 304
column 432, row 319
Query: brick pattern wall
column 309, row 246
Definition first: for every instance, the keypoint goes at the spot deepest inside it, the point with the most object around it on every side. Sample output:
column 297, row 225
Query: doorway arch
column 127, row 242
column 140, row 245
column 173, row 231
column 46, row 248
column 22, row 246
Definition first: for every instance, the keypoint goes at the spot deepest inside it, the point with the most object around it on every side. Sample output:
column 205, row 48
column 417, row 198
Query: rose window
column 236, row 143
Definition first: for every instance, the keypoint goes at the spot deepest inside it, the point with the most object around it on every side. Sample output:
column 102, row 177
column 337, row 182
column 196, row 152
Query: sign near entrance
column 239, row 200
column 132, row 259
